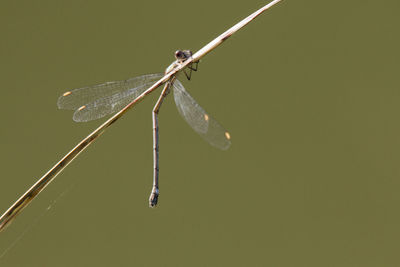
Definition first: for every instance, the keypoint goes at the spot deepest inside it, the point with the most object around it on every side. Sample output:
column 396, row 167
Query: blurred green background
column 309, row 92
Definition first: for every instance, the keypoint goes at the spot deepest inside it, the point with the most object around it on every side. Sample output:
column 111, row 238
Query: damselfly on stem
column 97, row 101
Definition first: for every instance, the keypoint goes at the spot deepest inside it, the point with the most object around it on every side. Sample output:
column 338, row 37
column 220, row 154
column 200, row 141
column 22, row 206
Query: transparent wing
column 94, row 102
column 199, row 120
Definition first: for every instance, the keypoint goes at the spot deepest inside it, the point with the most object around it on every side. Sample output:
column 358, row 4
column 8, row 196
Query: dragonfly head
column 182, row 55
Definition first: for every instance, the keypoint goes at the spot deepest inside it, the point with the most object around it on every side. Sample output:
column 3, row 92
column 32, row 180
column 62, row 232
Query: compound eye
column 179, row 54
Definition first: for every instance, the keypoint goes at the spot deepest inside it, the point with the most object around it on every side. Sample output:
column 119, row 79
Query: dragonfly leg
column 188, row 75
column 153, row 199
column 191, row 67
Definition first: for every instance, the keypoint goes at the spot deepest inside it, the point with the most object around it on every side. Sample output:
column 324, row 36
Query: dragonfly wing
column 108, row 105
column 199, row 120
column 94, row 102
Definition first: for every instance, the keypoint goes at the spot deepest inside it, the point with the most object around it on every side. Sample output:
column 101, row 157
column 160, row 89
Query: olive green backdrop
column 309, row 91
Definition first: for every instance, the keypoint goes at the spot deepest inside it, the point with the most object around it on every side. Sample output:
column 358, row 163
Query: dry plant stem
column 29, row 195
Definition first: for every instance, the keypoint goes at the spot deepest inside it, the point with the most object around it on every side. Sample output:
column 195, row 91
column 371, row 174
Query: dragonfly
column 95, row 102
column 117, row 97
